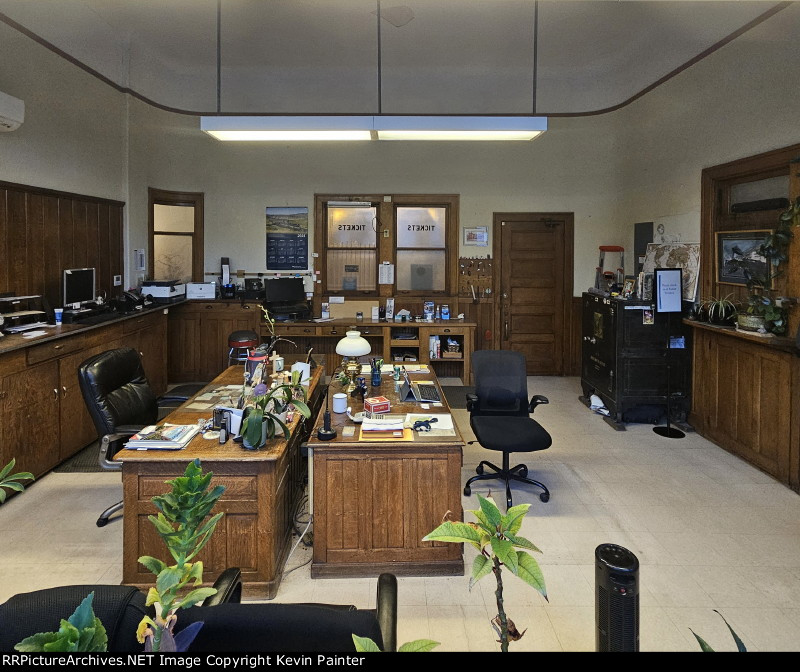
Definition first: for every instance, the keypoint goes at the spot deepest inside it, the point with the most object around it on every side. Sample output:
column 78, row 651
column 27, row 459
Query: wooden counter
column 39, row 384
column 263, row 488
column 374, row 501
column 745, row 397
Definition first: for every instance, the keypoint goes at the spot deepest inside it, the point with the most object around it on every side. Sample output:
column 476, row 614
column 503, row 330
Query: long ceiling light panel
column 345, row 128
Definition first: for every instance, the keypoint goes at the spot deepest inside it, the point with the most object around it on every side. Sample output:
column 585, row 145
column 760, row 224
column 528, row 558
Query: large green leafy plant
column 82, row 631
column 181, row 523
column 367, row 645
column 496, row 536
column 8, row 481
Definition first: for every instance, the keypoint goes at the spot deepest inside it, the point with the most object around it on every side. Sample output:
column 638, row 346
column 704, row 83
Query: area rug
column 83, row 462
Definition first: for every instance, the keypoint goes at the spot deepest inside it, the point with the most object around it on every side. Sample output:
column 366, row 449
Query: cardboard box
column 376, row 405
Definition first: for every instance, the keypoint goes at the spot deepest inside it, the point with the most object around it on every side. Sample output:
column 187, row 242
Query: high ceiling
column 420, row 57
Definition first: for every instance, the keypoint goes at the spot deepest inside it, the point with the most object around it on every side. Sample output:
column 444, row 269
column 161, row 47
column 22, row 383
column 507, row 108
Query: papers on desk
column 163, row 437
column 442, row 427
column 389, row 368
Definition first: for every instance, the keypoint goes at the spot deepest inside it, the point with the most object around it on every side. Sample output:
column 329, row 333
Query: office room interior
column 652, row 95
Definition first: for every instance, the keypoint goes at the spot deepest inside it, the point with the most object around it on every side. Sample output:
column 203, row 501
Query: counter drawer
column 52, row 349
column 140, row 322
column 294, row 330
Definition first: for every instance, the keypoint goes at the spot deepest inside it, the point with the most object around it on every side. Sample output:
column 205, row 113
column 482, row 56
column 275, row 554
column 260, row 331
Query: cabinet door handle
column 245, row 307
column 307, row 331
column 55, row 393
column 209, row 307
column 58, row 347
column 446, row 331
column 64, row 390
column 334, row 332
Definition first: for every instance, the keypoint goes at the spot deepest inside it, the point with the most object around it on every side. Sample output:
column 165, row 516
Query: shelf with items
column 17, row 311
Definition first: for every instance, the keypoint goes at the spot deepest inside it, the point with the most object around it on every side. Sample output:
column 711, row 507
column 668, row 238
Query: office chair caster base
column 102, row 522
column 467, row 491
column 479, row 469
column 544, row 497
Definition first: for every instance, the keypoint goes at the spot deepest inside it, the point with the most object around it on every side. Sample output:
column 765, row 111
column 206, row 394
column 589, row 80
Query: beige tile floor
column 710, row 531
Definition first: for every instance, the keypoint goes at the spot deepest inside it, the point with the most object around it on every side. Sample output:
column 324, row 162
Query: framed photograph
column 737, row 252
column 628, row 287
column 477, row 235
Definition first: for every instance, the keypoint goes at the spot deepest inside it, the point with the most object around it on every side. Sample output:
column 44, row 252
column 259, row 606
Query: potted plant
column 265, row 411
column 8, row 481
column 717, row 311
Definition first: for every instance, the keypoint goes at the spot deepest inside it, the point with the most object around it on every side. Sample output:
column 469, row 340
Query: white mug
column 339, row 402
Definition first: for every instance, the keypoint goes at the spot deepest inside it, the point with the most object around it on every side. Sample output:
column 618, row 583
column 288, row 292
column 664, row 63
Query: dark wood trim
column 568, row 278
column 182, row 198
column 212, row 113
column 28, row 189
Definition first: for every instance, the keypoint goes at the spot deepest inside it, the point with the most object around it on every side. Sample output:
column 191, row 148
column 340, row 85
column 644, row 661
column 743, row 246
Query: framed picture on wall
column 737, row 256
column 477, row 236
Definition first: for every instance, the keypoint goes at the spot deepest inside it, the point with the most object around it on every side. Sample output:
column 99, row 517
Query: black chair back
column 116, row 390
column 501, row 383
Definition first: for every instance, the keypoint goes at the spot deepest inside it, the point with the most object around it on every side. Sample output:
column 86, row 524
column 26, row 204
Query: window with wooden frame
column 418, row 234
column 175, row 235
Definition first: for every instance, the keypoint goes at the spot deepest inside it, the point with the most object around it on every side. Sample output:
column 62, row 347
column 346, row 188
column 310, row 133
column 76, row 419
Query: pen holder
column 376, row 377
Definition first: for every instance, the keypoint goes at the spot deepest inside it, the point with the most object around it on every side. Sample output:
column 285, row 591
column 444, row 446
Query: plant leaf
column 365, row 644
column 504, row 550
column 153, row 564
column 455, row 532
column 702, row 642
column 522, row 542
column 418, row 646
column 531, row 573
column 491, row 511
column 481, row 566
column 512, row 521
column 168, row 579
column 739, row 643
column 194, row 597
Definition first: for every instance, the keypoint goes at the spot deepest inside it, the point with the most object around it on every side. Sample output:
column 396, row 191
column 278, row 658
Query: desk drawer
column 140, row 322
column 339, row 331
column 52, row 349
column 295, row 330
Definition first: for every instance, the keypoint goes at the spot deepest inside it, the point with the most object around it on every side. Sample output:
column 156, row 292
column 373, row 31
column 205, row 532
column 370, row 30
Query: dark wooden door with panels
column 534, row 257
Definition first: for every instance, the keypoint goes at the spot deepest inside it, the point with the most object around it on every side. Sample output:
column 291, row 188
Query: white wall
column 638, row 164
column 570, row 168
column 742, row 100
column 75, row 133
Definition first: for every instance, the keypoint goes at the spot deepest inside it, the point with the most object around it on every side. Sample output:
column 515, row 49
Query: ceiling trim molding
column 772, row 11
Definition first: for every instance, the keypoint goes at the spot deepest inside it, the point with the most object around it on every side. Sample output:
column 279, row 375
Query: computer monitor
column 79, row 286
column 284, row 290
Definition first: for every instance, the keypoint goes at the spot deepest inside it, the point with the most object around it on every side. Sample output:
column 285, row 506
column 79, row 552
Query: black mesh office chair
column 120, row 403
column 500, row 417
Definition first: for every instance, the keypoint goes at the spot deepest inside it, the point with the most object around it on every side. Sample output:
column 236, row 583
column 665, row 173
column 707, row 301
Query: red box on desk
column 376, row 405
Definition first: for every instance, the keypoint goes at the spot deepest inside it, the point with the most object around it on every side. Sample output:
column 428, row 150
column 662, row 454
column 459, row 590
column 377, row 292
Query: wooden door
column 534, row 256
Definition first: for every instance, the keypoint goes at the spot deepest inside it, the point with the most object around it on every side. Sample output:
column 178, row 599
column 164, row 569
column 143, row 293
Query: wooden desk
column 374, row 501
column 263, row 489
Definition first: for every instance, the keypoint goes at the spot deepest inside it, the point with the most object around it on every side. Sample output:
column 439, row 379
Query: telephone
column 357, row 418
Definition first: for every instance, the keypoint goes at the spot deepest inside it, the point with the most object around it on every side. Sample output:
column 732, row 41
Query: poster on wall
column 287, row 239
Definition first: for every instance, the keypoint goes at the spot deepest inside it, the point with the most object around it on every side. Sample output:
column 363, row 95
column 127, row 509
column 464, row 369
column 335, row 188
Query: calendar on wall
column 287, row 239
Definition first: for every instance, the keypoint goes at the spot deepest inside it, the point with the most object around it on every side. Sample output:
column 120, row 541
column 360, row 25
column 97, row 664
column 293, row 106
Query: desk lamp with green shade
column 351, row 347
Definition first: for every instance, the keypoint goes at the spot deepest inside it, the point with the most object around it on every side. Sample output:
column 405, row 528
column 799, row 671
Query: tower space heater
column 617, row 598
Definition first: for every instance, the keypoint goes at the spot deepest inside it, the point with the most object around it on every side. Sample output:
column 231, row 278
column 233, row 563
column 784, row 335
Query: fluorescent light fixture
column 287, row 128
column 314, row 128
column 459, row 128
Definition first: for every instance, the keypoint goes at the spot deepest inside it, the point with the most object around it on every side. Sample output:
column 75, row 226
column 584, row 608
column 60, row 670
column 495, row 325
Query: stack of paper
column 163, row 437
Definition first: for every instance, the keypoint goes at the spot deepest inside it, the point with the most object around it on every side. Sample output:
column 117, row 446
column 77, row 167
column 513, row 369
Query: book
column 163, row 437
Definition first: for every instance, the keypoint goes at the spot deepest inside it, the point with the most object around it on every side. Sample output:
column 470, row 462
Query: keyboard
column 428, row 392
column 26, row 327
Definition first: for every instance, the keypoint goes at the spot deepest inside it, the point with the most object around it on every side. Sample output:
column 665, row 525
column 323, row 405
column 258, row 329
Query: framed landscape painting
column 737, row 256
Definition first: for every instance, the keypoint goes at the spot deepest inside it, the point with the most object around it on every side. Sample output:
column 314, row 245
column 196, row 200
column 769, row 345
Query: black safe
column 625, row 359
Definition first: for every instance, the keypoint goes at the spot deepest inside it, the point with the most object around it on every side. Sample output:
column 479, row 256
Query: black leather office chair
column 119, row 608
column 120, row 403
column 500, row 417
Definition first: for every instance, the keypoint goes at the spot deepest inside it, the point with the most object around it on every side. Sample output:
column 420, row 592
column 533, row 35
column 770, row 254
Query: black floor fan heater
column 668, row 288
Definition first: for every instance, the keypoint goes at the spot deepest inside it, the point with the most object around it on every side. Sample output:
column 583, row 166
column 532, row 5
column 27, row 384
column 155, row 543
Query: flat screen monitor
column 284, row 290
column 78, row 286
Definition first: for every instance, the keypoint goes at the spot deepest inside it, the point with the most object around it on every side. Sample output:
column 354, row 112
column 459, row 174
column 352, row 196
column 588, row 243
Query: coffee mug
column 339, row 402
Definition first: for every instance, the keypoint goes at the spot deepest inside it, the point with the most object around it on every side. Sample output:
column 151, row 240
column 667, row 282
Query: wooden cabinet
column 44, row 416
column 625, row 359
column 198, row 337
column 393, row 341
column 741, row 400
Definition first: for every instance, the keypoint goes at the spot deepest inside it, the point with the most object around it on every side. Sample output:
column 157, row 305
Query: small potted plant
column 265, row 411
column 717, row 311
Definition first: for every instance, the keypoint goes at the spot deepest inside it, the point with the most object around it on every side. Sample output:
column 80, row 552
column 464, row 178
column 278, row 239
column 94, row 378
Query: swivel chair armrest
column 229, row 588
column 537, row 399
column 386, row 610
column 472, row 401
column 106, row 461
